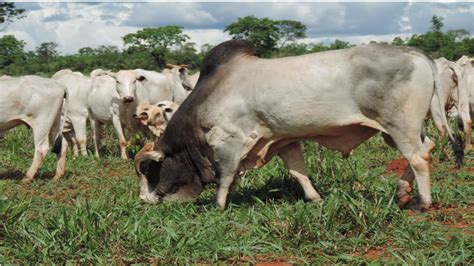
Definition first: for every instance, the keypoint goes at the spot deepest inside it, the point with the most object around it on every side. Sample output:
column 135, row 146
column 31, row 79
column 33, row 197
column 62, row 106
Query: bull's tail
column 439, row 117
column 59, row 137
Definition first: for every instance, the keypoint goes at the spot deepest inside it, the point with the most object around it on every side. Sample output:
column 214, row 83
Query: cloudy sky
column 77, row 25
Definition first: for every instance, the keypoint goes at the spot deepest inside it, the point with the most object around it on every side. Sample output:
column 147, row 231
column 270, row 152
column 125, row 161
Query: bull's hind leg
column 417, row 154
column 40, row 136
column 292, row 155
column 405, row 184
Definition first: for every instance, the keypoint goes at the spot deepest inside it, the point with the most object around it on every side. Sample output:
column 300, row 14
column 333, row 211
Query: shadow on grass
column 12, row 175
column 276, row 189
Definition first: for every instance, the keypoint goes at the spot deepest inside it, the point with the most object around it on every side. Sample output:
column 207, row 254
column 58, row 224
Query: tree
column 263, row 33
column 436, row 23
column 398, row 41
column 338, row 44
column 156, row 41
column 290, row 31
column 47, row 51
column 9, row 12
column 11, row 50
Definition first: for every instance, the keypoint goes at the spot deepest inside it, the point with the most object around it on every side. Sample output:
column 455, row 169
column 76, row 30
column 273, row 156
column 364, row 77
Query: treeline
column 153, row 48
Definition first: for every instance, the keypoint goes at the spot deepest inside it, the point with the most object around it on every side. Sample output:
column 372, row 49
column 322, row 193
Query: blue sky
column 76, row 25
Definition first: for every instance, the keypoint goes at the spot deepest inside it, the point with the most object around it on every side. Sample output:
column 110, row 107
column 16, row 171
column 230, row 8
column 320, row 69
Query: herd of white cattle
column 136, row 100
column 140, row 100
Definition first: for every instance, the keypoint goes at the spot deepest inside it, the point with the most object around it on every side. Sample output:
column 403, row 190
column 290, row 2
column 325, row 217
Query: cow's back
column 27, row 97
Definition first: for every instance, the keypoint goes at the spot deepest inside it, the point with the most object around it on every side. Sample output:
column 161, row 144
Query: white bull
column 79, row 87
column 245, row 110
column 36, row 102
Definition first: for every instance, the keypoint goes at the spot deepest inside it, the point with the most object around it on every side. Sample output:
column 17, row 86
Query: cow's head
column 466, row 61
column 181, row 71
column 126, row 83
column 166, row 178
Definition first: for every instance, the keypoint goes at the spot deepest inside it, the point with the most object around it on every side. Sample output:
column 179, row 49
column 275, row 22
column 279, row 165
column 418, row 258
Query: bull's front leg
column 228, row 145
column 292, row 155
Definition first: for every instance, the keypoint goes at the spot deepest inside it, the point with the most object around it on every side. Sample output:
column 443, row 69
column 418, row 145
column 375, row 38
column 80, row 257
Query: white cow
column 454, row 91
column 115, row 96
column 183, row 73
column 36, row 102
column 79, row 87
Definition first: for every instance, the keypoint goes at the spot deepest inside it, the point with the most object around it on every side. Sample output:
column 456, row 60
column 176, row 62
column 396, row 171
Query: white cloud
column 77, row 25
column 210, row 36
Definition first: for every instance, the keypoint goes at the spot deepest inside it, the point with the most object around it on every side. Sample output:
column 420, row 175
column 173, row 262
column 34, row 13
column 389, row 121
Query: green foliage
column 9, row 12
column 263, row 33
column 11, row 50
column 290, row 31
column 152, row 48
column 47, row 51
column 156, row 41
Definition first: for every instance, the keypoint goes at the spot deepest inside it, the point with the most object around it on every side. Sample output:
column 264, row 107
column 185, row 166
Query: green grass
column 94, row 214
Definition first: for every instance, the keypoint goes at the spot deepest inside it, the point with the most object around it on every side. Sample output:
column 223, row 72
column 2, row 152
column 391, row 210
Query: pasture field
column 94, row 214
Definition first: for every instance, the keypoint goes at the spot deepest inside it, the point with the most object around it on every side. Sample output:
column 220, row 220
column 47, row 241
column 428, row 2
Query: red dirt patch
column 397, row 166
column 451, row 216
column 372, row 253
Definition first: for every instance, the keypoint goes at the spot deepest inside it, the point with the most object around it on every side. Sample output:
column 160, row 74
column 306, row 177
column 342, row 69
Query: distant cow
column 79, row 88
column 182, row 72
column 36, row 102
column 245, row 110
column 115, row 96
column 454, row 92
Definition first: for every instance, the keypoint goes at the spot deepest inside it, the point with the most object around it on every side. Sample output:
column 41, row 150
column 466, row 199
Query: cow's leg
column 405, row 184
column 61, row 165
column 79, row 124
column 95, row 126
column 292, row 155
column 122, row 141
column 228, row 144
column 71, row 140
column 417, row 154
column 41, row 139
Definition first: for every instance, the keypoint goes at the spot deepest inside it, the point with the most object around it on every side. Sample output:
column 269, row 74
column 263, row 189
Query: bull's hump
column 224, row 52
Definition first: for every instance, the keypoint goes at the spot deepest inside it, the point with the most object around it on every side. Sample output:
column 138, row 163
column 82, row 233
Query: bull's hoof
column 418, row 206
column 56, row 178
column 469, row 147
column 404, row 201
column 315, row 200
column 27, row 180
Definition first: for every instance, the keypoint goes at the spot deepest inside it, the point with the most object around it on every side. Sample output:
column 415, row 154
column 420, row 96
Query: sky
column 77, row 25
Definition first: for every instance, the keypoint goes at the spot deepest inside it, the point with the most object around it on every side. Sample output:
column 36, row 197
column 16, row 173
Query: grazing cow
column 36, row 102
column 454, row 92
column 155, row 117
column 79, row 87
column 245, row 110
column 115, row 96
